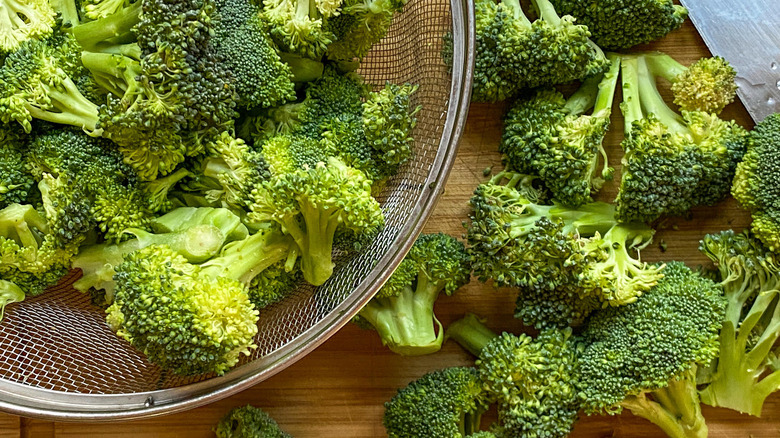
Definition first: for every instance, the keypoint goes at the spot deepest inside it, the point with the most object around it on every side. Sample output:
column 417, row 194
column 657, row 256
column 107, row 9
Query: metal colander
column 59, row 359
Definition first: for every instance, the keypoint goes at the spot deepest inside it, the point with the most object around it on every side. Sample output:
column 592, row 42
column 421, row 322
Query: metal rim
column 29, row 401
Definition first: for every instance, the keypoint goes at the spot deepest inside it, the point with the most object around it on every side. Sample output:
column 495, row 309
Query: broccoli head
column 643, row 356
column 447, row 403
column 756, row 182
column 22, row 20
column 16, row 182
column 359, row 25
column 248, row 422
column 402, row 310
column 620, row 24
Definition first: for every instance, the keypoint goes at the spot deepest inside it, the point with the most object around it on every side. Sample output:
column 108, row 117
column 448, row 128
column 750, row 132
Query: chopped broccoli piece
column 249, row 422
column 402, row 310
column 740, row 379
column 9, row 293
column 359, row 25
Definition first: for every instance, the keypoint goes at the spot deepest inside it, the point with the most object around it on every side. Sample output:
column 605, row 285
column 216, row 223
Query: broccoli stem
column 607, row 85
column 315, row 240
column 406, row 322
column 196, row 244
column 585, row 97
column 72, row 107
column 663, row 65
column 471, row 333
column 653, row 103
column 631, row 106
column 242, row 260
column 546, row 11
column 303, row 69
column 9, row 293
column 735, row 385
column 114, row 72
column 109, row 34
column 517, row 9
column 68, row 11
column 675, row 408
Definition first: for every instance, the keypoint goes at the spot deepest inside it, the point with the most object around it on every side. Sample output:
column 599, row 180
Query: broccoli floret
column 513, row 52
column 534, row 381
column 708, row 85
column 22, row 20
column 740, row 378
column 300, row 26
column 388, row 121
column 311, row 204
column 672, row 162
column 402, row 310
column 86, row 183
column 620, row 24
column 95, row 9
column 273, row 285
column 447, row 403
column 251, row 57
column 289, row 153
column 183, row 319
column 554, row 138
column 359, row 25
column 643, row 356
column 16, row 182
column 36, row 82
column 197, row 234
column 249, row 422
column 757, row 181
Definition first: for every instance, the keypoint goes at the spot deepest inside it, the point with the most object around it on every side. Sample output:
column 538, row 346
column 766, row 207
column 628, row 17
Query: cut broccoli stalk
column 471, row 333
column 116, row 73
column 674, row 408
column 9, row 293
column 112, row 34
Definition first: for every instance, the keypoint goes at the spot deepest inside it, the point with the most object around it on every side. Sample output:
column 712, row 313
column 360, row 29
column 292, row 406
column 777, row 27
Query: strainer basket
column 59, row 360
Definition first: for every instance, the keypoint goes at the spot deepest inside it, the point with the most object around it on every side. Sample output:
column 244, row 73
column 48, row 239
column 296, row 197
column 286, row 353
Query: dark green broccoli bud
column 643, row 356
column 534, row 381
column 402, row 310
column 300, row 26
column 273, row 285
column 250, row 56
column 672, row 162
column 757, row 181
column 22, row 20
column 620, row 24
column 741, row 379
column 311, row 204
column 555, row 139
column 708, row 85
column 447, row 403
column 333, row 96
column 9, row 293
column 183, row 319
column 36, row 82
column 16, row 182
column 515, row 53
column 388, row 121
column 197, row 234
column 359, row 25
column 249, row 422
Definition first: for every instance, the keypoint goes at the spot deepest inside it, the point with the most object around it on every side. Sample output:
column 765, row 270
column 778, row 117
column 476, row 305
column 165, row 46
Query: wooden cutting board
column 339, row 389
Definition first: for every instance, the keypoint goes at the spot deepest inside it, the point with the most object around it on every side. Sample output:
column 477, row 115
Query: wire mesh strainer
column 59, row 360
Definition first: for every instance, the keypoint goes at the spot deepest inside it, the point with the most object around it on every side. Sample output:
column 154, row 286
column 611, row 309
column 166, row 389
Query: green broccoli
column 672, row 162
column 359, row 25
column 95, row 9
column 183, row 319
column 708, row 85
column 9, row 293
column 402, row 310
column 23, row 20
column 299, row 26
column 620, row 24
column 513, row 52
column 388, row 122
column 249, row 422
column 757, row 181
column 274, row 284
column 16, row 182
column 554, row 138
column 565, row 261
column 740, row 379
column 311, row 204
column 447, row 403
column 534, row 381
column 643, row 356
column 197, row 234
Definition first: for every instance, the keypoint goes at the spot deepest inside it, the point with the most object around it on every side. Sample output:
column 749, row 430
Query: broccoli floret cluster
column 249, row 422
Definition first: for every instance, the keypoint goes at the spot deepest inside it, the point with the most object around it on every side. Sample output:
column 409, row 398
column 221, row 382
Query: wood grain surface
column 339, row 389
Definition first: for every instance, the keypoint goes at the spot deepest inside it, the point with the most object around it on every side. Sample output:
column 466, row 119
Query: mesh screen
column 59, row 341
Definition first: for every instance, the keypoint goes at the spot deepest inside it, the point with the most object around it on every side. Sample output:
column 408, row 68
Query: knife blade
column 747, row 34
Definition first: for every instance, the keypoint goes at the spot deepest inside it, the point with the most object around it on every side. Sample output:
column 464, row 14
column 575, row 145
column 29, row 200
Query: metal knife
column 747, row 34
